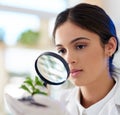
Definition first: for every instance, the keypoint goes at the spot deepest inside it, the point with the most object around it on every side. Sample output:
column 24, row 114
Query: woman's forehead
column 68, row 32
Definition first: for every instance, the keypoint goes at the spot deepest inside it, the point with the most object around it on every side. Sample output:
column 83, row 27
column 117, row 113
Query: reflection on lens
column 52, row 68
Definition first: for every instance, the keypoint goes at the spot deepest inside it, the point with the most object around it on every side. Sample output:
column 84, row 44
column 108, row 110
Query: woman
column 85, row 37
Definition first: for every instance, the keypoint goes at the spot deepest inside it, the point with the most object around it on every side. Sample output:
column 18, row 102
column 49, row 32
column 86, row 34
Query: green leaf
column 38, row 82
column 43, row 93
column 29, row 79
column 25, row 88
column 29, row 82
column 31, row 86
column 36, row 91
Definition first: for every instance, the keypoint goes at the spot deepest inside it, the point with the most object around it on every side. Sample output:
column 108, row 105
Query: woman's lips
column 74, row 73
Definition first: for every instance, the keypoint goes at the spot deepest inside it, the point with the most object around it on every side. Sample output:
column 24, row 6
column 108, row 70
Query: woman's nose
column 70, row 58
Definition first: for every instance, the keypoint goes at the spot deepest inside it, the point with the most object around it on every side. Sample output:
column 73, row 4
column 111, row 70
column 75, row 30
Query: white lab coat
column 68, row 106
column 112, row 108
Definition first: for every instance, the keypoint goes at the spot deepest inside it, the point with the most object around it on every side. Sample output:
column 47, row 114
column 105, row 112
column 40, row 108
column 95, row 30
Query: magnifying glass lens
column 52, row 68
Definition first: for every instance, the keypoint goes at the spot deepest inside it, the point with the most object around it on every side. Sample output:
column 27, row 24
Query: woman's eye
column 61, row 51
column 81, row 46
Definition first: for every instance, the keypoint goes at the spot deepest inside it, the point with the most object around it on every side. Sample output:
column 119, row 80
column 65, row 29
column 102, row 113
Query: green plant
column 32, row 86
column 29, row 38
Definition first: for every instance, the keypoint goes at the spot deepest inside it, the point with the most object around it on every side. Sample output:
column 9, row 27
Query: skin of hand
column 52, row 107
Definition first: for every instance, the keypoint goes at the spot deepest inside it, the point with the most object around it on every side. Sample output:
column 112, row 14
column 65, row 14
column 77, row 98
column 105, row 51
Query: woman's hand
column 40, row 105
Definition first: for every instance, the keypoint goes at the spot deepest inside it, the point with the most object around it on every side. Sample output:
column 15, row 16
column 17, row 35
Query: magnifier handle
column 45, row 84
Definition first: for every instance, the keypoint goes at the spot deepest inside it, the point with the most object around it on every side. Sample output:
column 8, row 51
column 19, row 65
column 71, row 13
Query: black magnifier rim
column 58, row 57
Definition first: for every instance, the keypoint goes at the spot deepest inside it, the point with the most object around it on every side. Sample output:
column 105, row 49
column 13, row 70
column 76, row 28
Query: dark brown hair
column 90, row 17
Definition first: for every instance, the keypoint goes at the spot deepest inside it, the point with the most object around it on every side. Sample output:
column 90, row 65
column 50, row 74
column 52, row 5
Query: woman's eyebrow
column 76, row 39
column 58, row 45
column 80, row 38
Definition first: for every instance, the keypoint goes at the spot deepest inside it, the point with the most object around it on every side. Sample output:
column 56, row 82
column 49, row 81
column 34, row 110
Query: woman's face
column 83, row 52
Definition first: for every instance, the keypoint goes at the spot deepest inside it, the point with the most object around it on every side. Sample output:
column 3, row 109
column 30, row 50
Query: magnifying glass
column 52, row 68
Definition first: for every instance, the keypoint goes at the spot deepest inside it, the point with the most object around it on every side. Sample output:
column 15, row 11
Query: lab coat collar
column 116, row 76
column 71, row 99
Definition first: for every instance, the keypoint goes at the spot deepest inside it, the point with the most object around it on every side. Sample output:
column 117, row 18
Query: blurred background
column 26, row 31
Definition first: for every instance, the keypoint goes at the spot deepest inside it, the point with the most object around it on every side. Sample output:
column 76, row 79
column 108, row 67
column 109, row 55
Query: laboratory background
column 26, row 31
